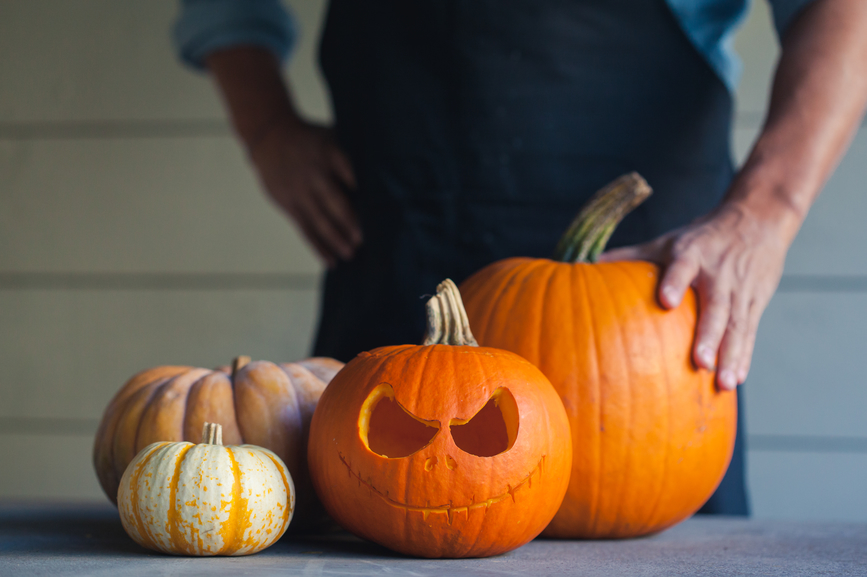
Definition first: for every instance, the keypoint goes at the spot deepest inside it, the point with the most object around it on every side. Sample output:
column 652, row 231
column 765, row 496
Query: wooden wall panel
column 757, row 45
column 70, row 62
column 808, row 485
column 48, row 467
column 144, row 205
column 831, row 240
column 64, row 353
column 807, row 377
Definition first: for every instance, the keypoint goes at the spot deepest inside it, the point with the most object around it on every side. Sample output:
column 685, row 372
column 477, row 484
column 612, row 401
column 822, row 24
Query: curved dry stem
column 588, row 234
column 239, row 363
column 447, row 322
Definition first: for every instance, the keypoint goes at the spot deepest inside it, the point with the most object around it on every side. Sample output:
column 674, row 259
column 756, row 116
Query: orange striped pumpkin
column 206, row 499
column 651, row 435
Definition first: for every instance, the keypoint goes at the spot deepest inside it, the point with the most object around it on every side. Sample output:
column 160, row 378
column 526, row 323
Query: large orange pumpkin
column 442, row 450
column 258, row 403
column 652, row 437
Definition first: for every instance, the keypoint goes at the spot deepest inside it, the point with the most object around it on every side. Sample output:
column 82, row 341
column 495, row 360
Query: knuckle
column 717, row 301
column 684, row 248
column 679, row 269
column 712, row 330
column 753, row 326
column 737, row 324
column 681, row 272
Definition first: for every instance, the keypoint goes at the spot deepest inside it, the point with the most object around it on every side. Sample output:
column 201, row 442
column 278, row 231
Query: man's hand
column 298, row 163
column 307, row 175
column 734, row 256
column 734, row 259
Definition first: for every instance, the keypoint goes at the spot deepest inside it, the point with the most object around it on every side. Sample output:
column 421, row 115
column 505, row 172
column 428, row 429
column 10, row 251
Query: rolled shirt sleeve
column 785, row 11
column 711, row 25
column 205, row 26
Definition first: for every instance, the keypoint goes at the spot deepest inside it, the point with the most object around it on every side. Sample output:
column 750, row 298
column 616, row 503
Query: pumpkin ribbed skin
column 652, row 437
column 263, row 404
column 441, row 501
column 206, row 499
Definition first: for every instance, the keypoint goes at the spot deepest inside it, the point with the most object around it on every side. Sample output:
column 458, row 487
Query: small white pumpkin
column 206, row 499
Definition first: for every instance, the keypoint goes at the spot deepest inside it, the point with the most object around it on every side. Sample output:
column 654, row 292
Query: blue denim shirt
column 208, row 25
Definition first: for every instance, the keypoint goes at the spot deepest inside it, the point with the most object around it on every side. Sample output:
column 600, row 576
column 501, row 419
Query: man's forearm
column 253, row 89
column 299, row 164
column 818, row 98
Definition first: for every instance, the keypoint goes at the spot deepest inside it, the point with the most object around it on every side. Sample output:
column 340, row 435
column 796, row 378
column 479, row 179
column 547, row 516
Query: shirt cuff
column 205, row 26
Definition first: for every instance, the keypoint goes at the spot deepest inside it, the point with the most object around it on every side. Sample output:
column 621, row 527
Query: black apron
column 478, row 128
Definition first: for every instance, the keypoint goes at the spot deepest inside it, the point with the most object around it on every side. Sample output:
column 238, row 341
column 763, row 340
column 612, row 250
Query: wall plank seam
column 157, row 281
column 807, row 443
column 85, row 130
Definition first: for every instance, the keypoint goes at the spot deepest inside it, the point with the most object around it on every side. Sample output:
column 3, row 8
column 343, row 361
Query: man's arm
column 735, row 255
column 299, row 163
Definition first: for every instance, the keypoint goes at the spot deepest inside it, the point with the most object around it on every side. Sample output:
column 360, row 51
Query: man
column 471, row 130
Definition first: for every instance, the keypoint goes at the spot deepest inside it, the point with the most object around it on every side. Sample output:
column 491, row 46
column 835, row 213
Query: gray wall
column 807, row 394
column 133, row 234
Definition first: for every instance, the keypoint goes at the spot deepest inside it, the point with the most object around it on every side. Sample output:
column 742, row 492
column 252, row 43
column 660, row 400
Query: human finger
column 343, row 168
column 749, row 347
column 636, row 252
column 337, row 209
column 319, row 246
column 733, row 343
column 677, row 278
column 714, row 309
column 322, row 229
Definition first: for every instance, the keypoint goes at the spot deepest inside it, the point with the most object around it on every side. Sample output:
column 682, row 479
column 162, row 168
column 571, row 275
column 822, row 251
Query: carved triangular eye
column 492, row 430
column 390, row 430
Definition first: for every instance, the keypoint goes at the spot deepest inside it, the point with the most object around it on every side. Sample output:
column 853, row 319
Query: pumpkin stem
column 447, row 322
column 239, row 363
column 588, row 234
column 212, row 434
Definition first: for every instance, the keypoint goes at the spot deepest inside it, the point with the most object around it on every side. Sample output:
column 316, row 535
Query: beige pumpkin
column 257, row 402
column 206, row 499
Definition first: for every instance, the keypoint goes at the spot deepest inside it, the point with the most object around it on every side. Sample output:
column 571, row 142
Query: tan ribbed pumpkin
column 258, row 402
column 206, row 499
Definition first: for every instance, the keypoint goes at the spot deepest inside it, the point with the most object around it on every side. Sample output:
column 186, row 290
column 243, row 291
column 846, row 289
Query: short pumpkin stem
column 239, row 363
column 589, row 232
column 447, row 322
column 212, row 434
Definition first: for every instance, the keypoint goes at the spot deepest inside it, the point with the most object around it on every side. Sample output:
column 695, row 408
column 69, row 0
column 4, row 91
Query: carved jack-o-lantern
column 441, row 450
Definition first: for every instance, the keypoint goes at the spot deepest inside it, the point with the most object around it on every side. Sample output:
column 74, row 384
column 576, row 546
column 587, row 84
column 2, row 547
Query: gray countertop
column 66, row 539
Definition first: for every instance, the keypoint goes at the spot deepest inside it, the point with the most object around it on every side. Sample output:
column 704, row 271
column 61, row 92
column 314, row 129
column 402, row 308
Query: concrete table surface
column 66, row 539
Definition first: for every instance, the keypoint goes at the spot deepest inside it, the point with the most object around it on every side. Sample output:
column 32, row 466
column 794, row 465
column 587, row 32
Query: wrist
column 767, row 212
column 279, row 126
column 771, row 194
column 255, row 94
column 768, row 207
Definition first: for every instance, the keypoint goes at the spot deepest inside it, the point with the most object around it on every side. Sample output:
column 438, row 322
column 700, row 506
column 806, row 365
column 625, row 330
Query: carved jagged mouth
column 450, row 509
